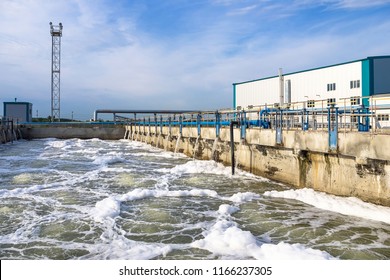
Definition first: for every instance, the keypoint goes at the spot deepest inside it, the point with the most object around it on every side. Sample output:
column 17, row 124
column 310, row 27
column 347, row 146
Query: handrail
column 352, row 114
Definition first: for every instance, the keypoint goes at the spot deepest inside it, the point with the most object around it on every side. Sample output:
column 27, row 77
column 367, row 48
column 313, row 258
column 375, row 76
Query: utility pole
column 56, row 34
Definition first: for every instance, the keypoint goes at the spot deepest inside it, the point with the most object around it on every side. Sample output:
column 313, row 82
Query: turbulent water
column 93, row 199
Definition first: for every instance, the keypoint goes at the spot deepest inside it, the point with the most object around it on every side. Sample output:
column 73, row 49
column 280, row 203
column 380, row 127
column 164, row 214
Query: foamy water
column 345, row 205
column 93, row 199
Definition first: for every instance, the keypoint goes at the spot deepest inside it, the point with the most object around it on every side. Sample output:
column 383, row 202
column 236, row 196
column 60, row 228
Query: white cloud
column 353, row 4
column 243, row 10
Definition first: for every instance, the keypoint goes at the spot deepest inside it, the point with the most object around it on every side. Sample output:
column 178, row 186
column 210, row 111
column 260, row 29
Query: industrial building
column 362, row 82
column 18, row 111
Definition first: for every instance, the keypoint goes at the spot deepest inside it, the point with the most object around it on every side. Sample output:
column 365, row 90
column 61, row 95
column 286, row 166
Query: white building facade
column 358, row 82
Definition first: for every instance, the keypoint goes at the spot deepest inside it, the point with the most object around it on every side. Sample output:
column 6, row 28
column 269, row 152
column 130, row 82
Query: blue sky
column 175, row 54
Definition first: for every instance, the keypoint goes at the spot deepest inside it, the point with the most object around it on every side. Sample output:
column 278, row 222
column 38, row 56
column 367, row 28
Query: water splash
column 213, row 150
column 196, row 147
column 167, row 142
column 158, row 140
column 237, row 155
column 177, row 143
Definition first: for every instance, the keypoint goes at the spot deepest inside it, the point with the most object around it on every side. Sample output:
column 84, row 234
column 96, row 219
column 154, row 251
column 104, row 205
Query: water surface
column 94, row 199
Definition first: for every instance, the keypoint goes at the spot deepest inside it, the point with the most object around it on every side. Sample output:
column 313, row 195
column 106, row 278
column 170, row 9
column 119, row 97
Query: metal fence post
column 169, row 124
column 333, row 127
column 198, row 123
column 217, row 123
column 155, row 123
column 161, row 124
column 278, row 127
column 181, row 125
column 243, row 124
column 305, row 120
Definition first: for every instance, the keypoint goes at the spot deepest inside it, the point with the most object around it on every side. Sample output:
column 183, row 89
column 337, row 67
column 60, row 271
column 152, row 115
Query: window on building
column 383, row 117
column 355, row 100
column 311, row 103
column 354, row 119
column 331, row 87
column 331, row 102
column 354, row 84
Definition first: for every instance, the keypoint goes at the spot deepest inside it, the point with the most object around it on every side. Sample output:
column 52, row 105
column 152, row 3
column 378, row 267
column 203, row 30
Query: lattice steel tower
column 56, row 34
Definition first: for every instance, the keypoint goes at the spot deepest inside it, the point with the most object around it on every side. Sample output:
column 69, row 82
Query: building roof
column 20, row 103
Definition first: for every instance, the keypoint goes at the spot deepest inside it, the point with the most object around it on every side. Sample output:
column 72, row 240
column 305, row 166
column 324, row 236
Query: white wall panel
column 306, row 85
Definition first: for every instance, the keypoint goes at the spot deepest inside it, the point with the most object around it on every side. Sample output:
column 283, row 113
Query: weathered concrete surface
column 67, row 131
column 8, row 134
column 360, row 167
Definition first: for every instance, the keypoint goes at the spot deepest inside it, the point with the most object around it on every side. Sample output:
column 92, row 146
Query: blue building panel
column 18, row 111
column 381, row 75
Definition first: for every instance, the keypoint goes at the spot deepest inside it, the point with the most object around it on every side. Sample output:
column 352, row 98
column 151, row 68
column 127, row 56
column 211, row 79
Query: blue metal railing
column 278, row 119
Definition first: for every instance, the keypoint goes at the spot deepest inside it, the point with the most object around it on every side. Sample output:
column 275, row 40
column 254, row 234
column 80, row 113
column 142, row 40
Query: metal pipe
column 109, row 111
column 281, row 87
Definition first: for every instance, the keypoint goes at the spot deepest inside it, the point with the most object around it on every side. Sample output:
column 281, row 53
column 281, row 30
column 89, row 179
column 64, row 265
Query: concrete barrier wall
column 8, row 135
column 360, row 167
column 82, row 131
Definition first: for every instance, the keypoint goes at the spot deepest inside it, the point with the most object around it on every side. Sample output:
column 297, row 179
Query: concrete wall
column 8, row 134
column 360, row 167
column 66, row 131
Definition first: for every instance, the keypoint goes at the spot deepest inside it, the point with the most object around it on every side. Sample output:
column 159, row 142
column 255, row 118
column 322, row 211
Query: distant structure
column 56, row 34
column 18, row 111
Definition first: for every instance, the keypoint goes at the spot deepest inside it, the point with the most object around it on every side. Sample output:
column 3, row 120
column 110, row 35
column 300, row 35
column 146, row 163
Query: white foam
column 118, row 249
column 199, row 166
column 160, row 154
column 243, row 197
column 115, row 245
column 106, row 208
column 285, row 251
column 207, row 167
column 345, row 205
column 20, row 191
column 107, row 159
column 225, row 238
column 110, row 206
column 59, row 144
column 145, row 193
column 226, row 209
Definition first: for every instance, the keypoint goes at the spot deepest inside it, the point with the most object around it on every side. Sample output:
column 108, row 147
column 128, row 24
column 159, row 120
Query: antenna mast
column 56, row 34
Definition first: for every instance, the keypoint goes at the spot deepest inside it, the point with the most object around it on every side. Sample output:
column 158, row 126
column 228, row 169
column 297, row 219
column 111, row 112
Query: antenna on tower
column 56, row 34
